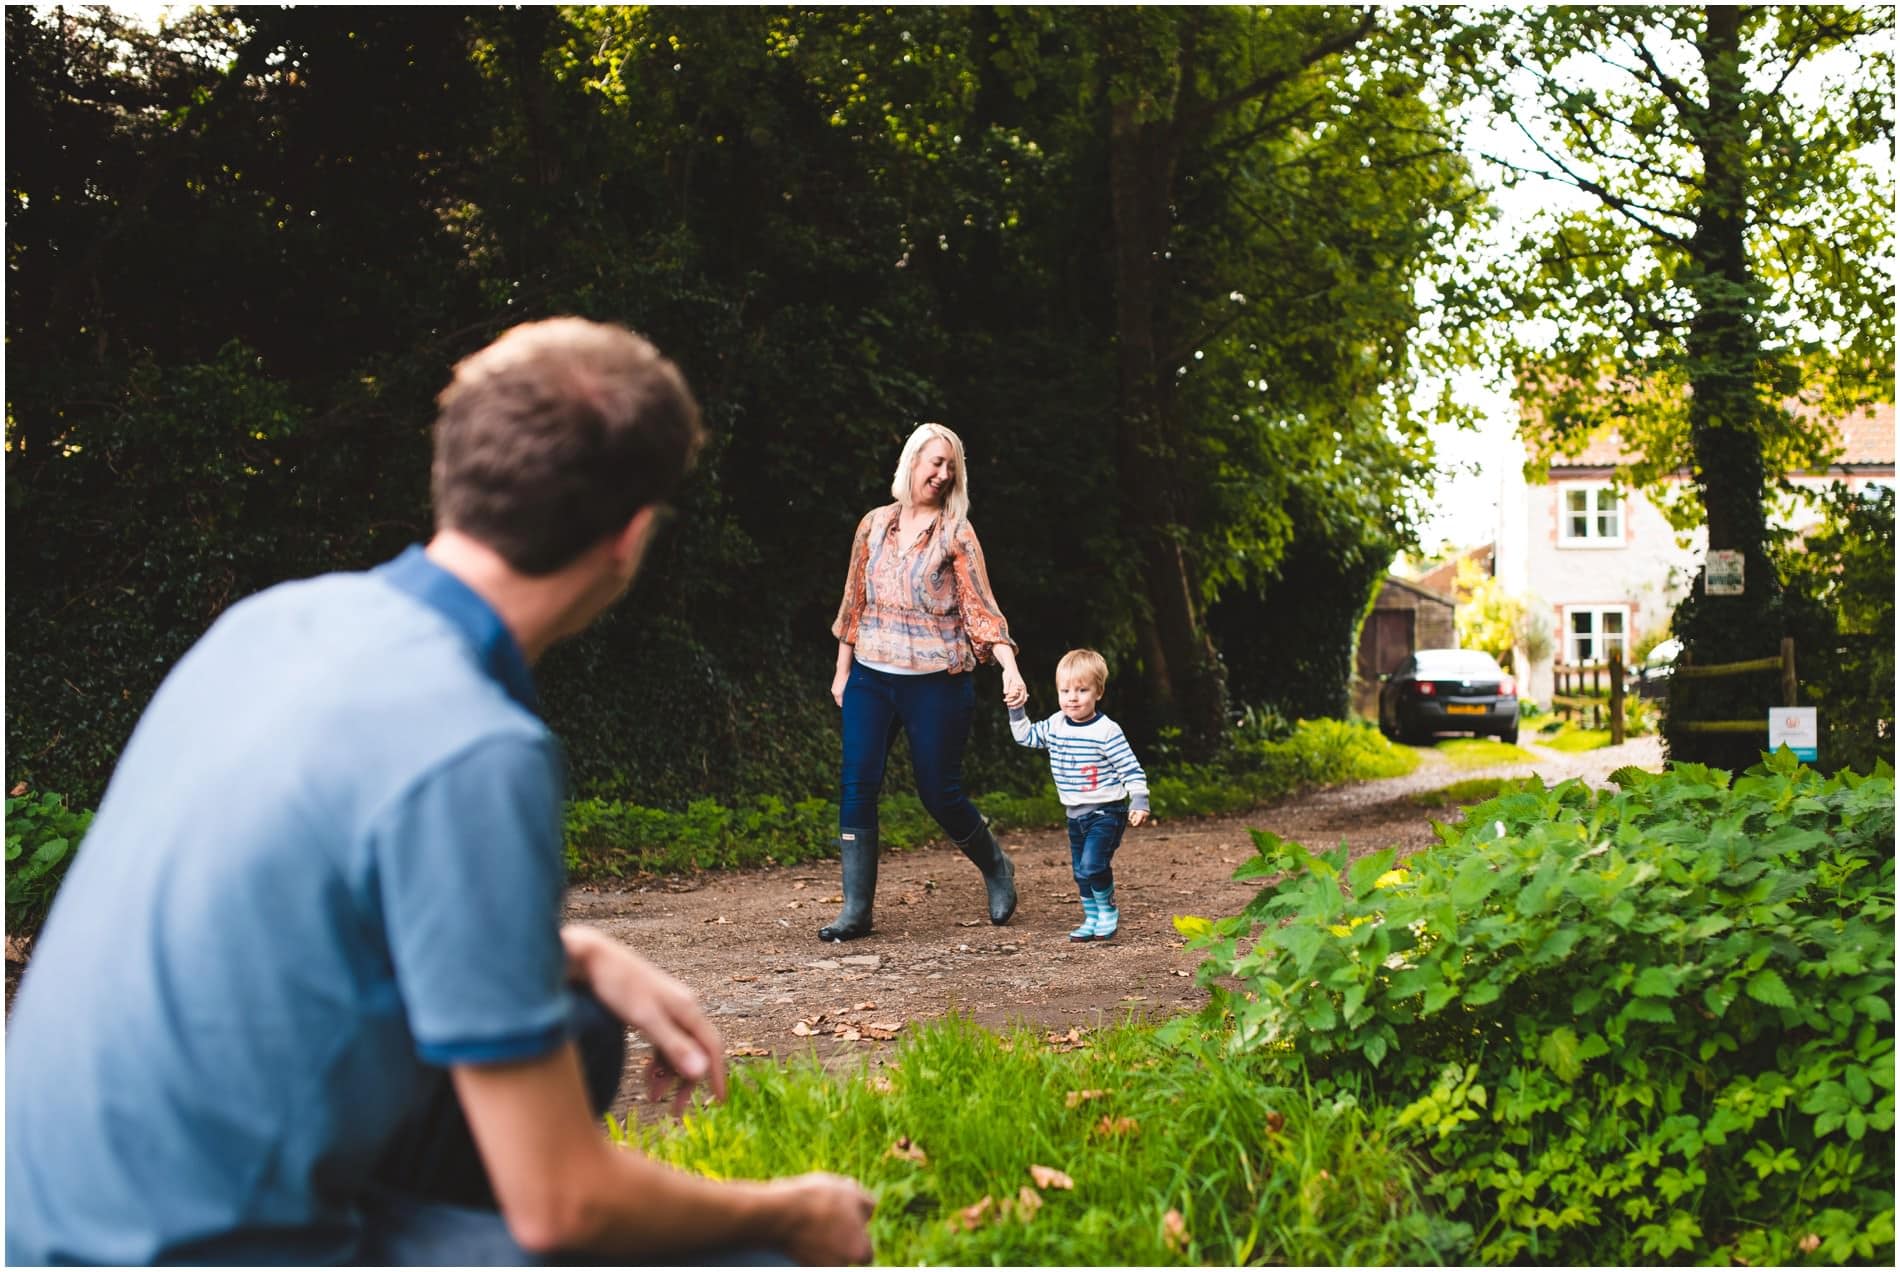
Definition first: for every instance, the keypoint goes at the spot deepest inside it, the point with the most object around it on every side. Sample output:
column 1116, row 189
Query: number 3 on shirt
column 1092, row 776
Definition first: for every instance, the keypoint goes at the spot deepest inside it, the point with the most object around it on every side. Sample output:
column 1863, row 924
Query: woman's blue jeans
column 1093, row 838
column 934, row 711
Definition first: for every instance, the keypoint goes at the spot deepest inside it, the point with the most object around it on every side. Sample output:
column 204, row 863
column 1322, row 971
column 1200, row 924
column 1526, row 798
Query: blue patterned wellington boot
column 1107, row 917
column 1087, row 931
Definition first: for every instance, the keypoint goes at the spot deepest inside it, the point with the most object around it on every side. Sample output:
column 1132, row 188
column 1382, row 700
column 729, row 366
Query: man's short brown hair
column 555, row 435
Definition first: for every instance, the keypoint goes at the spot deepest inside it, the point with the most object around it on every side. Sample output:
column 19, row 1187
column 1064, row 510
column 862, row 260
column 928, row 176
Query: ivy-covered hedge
column 1651, row 1025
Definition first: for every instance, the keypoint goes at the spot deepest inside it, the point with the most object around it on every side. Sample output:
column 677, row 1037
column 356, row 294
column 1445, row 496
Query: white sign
column 1798, row 729
column 1725, row 573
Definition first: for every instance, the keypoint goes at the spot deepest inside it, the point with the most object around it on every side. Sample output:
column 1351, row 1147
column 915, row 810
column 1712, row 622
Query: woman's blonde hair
column 956, row 503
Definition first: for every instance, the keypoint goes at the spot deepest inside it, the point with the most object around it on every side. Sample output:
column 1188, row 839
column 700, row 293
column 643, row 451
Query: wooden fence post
column 1790, row 687
column 1616, row 698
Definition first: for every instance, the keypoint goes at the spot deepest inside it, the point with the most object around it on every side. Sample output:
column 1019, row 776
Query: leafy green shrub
column 1654, row 1025
column 42, row 835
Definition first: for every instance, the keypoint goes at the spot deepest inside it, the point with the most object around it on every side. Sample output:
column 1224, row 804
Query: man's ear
column 630, row 543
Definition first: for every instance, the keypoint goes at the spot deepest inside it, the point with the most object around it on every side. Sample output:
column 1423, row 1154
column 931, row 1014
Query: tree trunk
column 1181, row 673
column 1724, row 417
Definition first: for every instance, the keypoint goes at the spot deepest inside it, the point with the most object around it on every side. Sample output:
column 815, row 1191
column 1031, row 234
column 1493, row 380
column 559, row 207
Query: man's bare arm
column 562, row 1186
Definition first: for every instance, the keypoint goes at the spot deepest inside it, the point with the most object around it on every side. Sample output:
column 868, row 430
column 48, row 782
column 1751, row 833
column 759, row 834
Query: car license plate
column 1463, row 708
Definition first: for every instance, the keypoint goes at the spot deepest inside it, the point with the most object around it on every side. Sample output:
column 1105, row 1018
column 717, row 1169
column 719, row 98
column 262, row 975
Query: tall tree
column 1732, row 282
column 1265, row 123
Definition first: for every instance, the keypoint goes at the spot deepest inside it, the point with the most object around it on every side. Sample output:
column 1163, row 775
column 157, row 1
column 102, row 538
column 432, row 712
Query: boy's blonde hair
column 956, row 504
column 1084, row 664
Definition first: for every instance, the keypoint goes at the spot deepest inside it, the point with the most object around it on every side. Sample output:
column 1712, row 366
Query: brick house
column 1604, row 568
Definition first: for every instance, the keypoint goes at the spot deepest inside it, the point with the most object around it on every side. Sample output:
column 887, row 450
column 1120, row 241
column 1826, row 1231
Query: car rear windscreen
column 1464, row 664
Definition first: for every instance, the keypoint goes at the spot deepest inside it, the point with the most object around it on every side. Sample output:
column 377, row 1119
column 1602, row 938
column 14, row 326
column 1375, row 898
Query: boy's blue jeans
column 1094, row 836
column 934, row 711
column 433, row 1204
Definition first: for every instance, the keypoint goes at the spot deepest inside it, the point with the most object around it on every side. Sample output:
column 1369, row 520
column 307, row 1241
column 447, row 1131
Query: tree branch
column 1339, row 42
column 1678, row 96
column 1620, row 204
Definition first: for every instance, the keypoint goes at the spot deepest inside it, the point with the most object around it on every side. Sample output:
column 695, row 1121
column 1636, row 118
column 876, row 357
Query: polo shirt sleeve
column 471, row 872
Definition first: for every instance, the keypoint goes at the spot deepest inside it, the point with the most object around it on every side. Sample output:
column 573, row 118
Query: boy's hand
column 1137, row 816
column 1015, row 692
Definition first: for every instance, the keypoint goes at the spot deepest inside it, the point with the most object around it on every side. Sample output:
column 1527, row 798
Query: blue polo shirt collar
column 414, row 574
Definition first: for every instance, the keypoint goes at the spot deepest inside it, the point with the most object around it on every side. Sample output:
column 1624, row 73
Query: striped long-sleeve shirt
column 1091, row 762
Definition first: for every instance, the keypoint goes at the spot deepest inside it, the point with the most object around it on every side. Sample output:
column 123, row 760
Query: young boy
column 1098, row 779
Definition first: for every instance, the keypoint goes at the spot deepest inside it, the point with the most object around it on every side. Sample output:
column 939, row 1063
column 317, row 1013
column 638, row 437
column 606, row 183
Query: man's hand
column 1137, row 816
column 686, row 1048
column 826, row 1219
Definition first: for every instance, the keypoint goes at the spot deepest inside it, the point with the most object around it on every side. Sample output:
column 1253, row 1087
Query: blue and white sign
column 1798, row 729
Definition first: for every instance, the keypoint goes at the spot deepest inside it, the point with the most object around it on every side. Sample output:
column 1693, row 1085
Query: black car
column 1448, row 691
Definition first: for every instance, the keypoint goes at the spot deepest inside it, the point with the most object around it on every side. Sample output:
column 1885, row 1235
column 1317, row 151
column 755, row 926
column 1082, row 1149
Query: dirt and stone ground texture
column 746, row 942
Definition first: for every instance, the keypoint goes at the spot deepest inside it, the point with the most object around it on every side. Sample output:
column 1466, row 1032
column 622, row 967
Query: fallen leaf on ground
column 802, row 1029
column 1179, row 972
column 970, row 1218
column 18, row 790
column 891, row 1026
column 1174, row 1231
column 1116, row 1126
column 1074, row 1098
column 862, row 1006
column 881, row 1084
column 969, row 923
column 907, row 1149
column 1067, row 1042
column 1028, row 1202
column 745, row 978
column 1134, row 998
column 1049, row 1177
column 798, row 887
column 747, row 1051
column 837, row 899
column 794, row 905
column 721, row 919
column 847, row 1033
column 1276, row 1121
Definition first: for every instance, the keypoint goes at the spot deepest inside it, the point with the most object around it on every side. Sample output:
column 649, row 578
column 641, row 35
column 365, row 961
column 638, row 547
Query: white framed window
column 1589, row 515
column 1593, row 632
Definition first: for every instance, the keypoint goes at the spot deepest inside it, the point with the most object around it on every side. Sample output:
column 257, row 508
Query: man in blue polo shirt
column 305, row 996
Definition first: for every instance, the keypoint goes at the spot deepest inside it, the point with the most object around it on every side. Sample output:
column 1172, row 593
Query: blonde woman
column 917, row 619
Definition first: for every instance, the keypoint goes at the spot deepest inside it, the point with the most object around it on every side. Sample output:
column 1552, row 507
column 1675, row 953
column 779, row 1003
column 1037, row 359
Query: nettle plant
column 1623, row 1027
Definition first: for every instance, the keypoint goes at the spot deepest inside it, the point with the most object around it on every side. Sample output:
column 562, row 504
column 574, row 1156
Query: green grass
column 1482, row 753
column 1473, row 790
column 1258, row 1172
column 1572, row 739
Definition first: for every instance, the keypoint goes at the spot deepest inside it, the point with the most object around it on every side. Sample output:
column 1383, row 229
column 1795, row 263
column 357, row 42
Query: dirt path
column 747, row 944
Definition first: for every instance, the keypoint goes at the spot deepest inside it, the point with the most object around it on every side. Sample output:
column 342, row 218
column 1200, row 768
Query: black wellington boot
column 999, row 872
column 857, row 851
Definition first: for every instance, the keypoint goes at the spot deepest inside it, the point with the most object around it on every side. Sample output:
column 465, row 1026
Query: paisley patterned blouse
column 926, row 605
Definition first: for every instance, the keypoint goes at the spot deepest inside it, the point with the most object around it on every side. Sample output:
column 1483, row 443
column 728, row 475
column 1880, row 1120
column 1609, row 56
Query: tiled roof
column 1866, row 437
